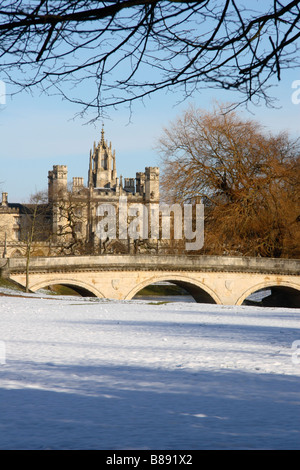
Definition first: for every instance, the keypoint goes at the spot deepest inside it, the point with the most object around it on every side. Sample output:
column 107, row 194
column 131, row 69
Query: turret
column 152, row 184
column 140, row 183
column 58, row 182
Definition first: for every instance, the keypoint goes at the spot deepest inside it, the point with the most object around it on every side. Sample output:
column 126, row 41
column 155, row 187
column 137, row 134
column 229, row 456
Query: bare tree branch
column 116, row 52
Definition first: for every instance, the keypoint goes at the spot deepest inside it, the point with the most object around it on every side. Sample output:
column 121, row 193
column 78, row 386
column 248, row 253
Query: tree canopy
column 248, row 180
column 101, row 54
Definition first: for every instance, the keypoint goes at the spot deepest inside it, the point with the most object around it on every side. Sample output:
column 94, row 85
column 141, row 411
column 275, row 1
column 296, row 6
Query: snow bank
column 94, row 374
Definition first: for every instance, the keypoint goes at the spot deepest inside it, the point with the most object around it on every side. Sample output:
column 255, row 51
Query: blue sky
column 38, row 132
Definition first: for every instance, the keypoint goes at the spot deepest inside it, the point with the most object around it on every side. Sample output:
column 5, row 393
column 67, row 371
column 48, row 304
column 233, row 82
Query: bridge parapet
column 223, row 280
column 154, row 262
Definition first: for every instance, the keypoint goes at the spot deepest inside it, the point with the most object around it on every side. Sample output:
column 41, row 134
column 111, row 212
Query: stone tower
column 102, row 168
column 57, row 182
column 152, row 184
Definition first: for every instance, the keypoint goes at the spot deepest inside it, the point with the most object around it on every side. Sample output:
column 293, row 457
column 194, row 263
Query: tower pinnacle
column 102, row 169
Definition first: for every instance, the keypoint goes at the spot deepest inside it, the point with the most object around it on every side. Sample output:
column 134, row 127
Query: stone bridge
column 209, row 279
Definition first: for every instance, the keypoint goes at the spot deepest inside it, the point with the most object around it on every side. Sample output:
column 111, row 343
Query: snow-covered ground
column 84, row 373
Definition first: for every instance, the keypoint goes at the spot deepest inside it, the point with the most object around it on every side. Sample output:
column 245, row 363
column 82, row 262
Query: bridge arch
column 285, row 287
column 199, row 291
column 84, row 289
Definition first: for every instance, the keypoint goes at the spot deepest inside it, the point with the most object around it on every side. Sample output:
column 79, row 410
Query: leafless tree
column 248, row 180
column 69, row 230
column 115, row 52
column 35, row 226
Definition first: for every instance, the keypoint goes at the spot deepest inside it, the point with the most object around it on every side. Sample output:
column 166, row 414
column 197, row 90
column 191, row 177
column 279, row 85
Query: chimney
column 4, row 200
column 77, row 183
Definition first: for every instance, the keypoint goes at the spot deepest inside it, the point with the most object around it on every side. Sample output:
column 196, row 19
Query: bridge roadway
column 209, row 279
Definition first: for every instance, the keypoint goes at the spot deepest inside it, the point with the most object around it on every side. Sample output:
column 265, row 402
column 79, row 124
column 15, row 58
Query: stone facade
column 75, row 212
column 16, row 221
column 68, row 221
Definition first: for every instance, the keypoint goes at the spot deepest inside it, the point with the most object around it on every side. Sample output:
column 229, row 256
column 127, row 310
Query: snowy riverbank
column 88, row 374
